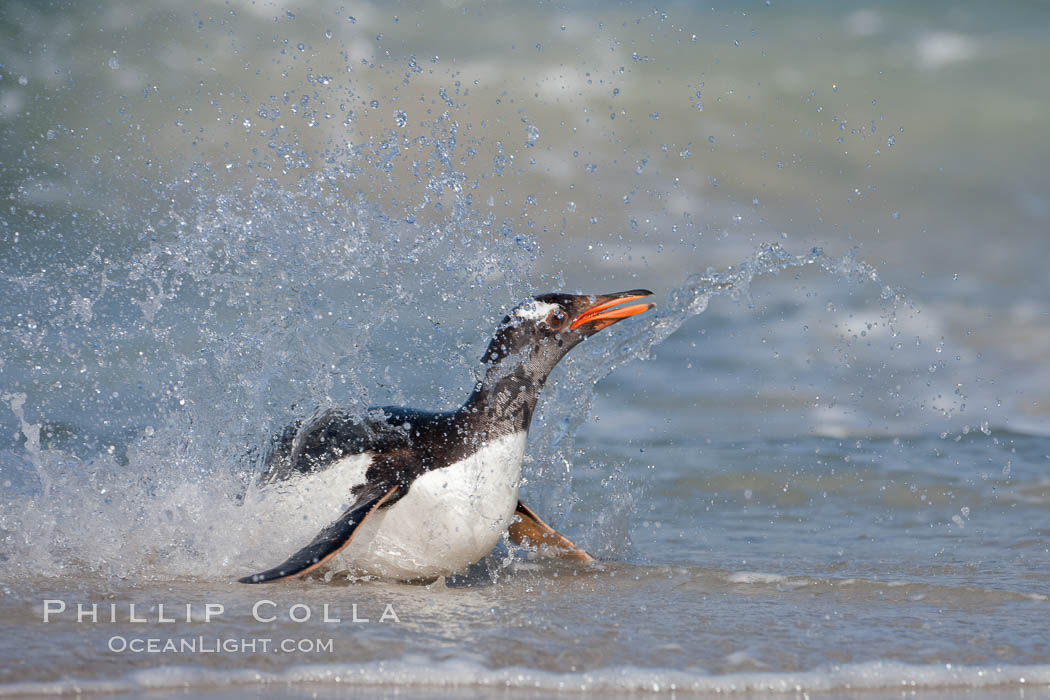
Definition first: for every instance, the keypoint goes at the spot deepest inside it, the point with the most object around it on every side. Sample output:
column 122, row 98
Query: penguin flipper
column 329, row 542
column 529, row 526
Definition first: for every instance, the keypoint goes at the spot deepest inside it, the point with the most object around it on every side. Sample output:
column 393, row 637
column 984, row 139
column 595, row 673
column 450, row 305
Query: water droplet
column 654, row 115
column 685, row 153
column 711, row 139
column 22, row 80
column 400, row 118
column 113, row 63
column 352, row 20
column 616, row 91
column 532, row 135
column 301, row 46
column 374, row 104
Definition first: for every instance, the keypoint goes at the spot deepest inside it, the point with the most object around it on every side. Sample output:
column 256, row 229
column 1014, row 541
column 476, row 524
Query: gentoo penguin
column 432, row 493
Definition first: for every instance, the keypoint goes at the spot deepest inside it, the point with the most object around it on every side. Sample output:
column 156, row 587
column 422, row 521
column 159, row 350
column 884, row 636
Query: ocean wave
column 467, row 675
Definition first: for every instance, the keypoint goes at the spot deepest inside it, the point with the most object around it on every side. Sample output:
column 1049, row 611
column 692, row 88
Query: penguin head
column 542, row 330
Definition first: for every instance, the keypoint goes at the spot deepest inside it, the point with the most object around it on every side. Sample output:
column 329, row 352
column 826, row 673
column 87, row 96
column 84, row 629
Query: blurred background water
column 822, row 463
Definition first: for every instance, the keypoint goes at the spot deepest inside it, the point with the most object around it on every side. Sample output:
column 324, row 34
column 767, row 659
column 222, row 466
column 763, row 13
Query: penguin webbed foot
column 530, row 529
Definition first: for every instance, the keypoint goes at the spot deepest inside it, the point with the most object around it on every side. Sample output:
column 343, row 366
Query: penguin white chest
column 449, row 519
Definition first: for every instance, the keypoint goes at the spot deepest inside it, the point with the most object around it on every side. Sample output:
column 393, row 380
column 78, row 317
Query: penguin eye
column 556, row 319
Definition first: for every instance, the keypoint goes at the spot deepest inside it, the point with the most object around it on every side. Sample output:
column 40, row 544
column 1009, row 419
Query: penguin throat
column 505, row 398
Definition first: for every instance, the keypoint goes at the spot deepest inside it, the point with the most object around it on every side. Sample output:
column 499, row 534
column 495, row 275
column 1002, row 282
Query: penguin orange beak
column 608, row 309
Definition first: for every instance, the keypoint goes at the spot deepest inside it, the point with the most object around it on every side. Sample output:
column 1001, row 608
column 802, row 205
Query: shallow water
column 821, row 466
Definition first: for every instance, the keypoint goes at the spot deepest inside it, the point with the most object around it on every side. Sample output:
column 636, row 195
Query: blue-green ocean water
column 820, row 466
